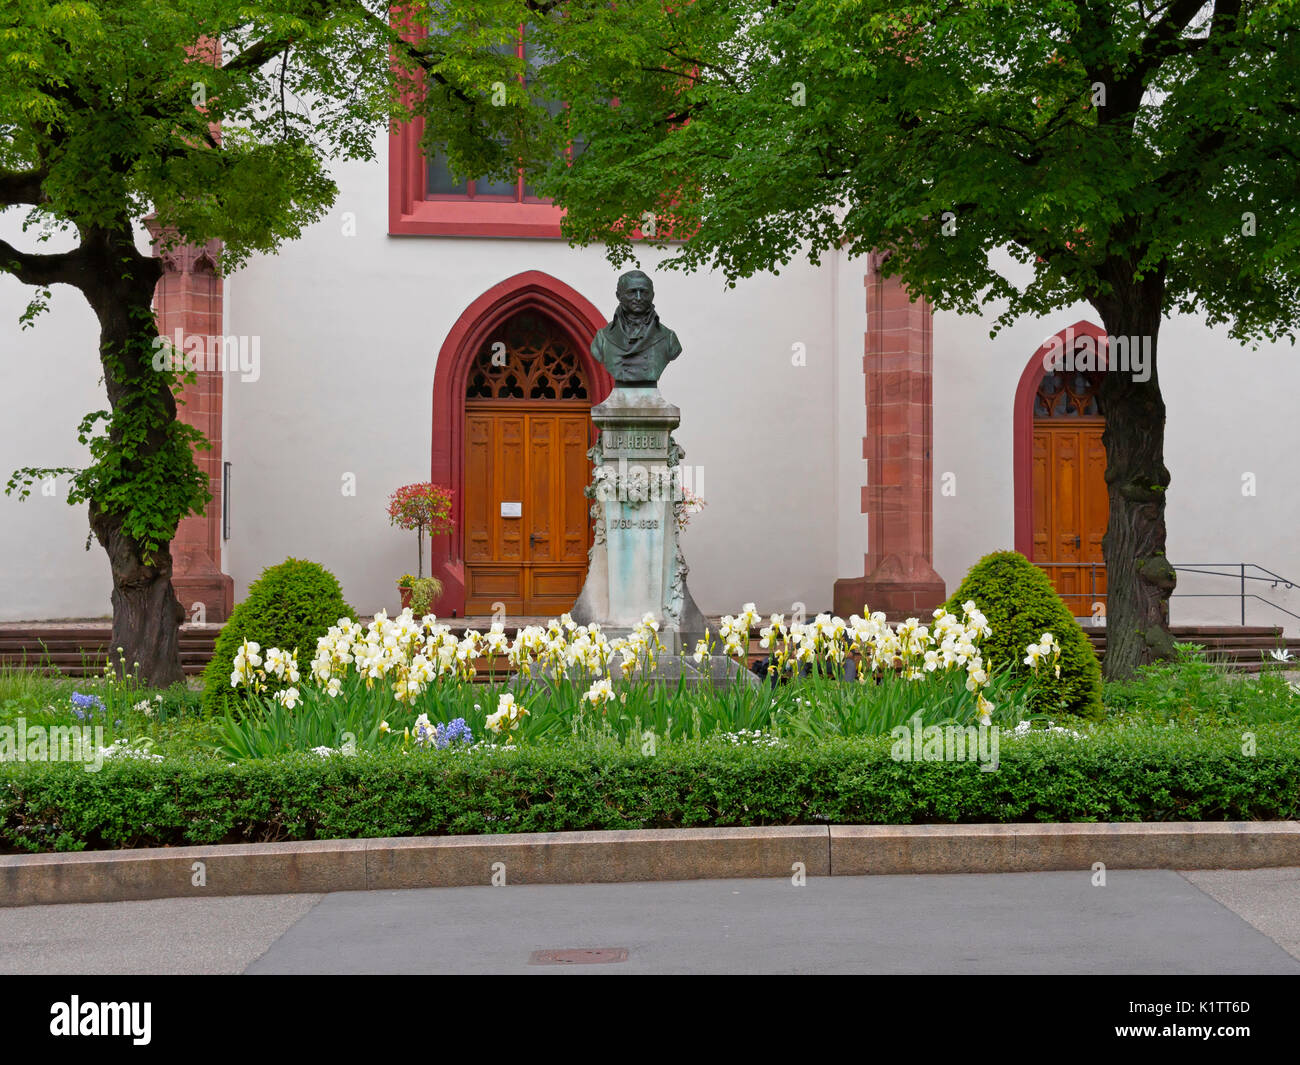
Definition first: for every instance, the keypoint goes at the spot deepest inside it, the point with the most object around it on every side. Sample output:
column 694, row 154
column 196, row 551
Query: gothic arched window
column 1068, row 394
column 526, row 358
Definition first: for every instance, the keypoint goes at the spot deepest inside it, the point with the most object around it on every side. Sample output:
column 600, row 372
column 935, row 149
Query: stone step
column 79, row 649
column 1243, row 646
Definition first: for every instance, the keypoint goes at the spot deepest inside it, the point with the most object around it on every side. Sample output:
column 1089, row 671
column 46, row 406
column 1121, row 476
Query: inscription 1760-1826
column 635, row 523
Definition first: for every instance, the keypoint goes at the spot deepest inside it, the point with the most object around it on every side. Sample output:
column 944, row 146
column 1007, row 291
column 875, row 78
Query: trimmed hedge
column 1020, row 603
column 289, row 605
column 1119, row 774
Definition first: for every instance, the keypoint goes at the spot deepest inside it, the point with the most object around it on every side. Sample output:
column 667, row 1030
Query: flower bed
column 399, row 681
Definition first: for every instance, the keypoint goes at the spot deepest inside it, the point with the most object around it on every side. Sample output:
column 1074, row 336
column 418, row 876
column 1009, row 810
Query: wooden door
column 527, row 431
column 1071, row 504
column 1071, row 508
column 527, row 528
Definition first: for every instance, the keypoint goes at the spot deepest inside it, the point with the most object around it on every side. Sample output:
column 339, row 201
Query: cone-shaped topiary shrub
column 289, row 606
column 1020, row 603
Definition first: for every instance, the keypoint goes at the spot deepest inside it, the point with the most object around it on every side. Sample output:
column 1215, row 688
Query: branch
column 41, row 270
column 722, row 72
column 256, row 55
column 284, row 116
column 1164, row 39
column 422, row 59
column 1226, row 14
column 21, row 186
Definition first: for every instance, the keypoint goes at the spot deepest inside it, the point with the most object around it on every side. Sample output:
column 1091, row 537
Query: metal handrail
column 1236, row 570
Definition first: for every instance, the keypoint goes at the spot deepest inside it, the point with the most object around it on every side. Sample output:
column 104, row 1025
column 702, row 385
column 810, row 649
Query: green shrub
column 1020, row 603
column 1138, row 773
column 289, row 606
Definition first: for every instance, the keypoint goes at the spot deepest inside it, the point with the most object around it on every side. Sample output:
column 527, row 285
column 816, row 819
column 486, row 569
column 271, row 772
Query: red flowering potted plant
column 426, row 509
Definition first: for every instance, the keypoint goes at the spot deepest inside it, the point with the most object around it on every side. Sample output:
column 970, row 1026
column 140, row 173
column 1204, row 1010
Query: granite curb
column 321, row 866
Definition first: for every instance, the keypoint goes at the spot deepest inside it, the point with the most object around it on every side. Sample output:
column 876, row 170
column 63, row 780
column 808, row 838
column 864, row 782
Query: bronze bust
column 635, row 347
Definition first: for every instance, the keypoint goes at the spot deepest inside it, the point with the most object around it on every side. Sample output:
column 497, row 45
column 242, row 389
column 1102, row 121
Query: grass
column 42, row 696
column 1195, row 691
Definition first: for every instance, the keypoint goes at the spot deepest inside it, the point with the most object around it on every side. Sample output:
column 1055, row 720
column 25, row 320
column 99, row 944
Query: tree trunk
column 1139, row 576
column 146, row 613
column 119, row 284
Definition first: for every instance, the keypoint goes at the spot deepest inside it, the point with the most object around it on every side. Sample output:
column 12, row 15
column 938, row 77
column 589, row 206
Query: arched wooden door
column 527, row 431
column 1070, row 502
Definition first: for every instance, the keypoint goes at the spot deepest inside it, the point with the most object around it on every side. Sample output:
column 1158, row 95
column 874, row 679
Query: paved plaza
column 1140, row 922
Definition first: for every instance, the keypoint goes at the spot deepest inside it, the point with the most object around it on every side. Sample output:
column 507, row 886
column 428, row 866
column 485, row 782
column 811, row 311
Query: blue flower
column 86, row 702
column 453, row 732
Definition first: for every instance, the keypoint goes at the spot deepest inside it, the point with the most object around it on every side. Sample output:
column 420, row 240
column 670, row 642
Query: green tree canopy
column 213, row 119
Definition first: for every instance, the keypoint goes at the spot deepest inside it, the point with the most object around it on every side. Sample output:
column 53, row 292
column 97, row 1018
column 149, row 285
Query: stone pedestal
column 635, row 566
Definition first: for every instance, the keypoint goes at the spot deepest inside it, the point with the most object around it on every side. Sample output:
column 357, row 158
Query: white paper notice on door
column 512, row 510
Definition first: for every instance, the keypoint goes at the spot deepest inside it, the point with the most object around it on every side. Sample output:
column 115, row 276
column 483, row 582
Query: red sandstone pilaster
column 897, row 498
column 189, row 299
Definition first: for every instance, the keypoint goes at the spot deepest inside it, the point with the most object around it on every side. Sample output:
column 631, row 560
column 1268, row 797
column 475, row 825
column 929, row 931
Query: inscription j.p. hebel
column 626, row 440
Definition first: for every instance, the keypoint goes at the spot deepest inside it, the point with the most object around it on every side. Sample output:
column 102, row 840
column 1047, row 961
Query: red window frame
column 411, row 212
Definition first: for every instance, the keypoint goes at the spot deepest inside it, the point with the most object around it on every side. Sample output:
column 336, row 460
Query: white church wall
column 1230, row 413
column 1233, row 442
column 350, row 328
column 52, row 378
column 850, row 294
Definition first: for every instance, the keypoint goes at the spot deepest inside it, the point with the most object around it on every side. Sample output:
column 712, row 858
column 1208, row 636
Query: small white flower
column 124, row 748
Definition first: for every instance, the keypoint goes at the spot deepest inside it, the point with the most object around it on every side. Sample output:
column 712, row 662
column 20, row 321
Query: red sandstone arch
column 1022, row 431
column 534, row 290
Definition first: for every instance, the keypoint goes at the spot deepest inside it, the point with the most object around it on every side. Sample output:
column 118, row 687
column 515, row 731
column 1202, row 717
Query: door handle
column 1076, row 541
column 532, row 539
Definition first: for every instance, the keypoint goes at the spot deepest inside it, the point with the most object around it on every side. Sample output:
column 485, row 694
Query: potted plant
column 424, row 508
column 425, row 591
column 404, row 584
